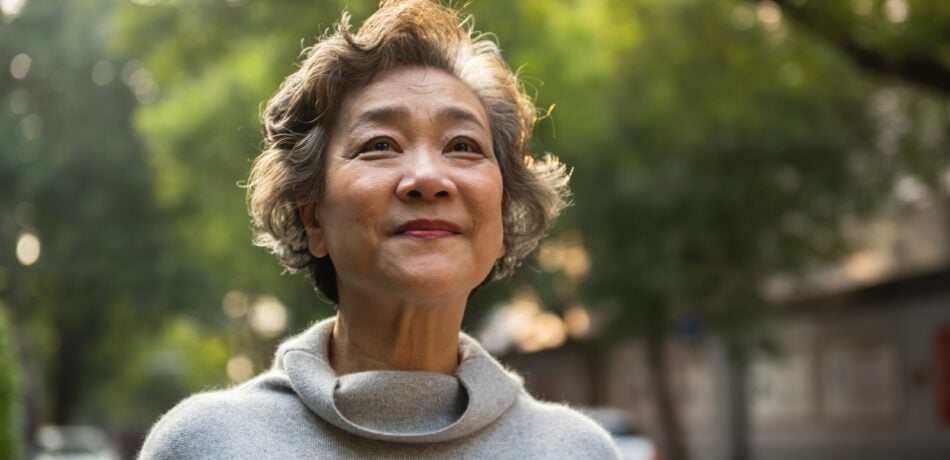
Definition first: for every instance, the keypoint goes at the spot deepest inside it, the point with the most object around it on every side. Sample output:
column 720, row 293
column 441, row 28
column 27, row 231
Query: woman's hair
column 290, row 172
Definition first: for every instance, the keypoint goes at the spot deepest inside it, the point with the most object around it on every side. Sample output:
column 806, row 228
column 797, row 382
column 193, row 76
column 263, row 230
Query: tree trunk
column 67, row 375
column 738, row 405
column 673, row 442
column 595, row 357
column 31, row 387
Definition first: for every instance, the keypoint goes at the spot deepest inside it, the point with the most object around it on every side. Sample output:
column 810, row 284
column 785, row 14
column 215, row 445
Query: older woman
column 396, row 174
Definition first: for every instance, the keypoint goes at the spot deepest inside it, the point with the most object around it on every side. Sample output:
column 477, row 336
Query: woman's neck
column 369, row 336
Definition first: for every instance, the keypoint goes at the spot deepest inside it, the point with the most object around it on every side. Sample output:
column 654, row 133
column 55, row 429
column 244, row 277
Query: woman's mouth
column 428, row 229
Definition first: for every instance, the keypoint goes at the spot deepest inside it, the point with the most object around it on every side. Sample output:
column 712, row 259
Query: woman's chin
column 435, row 283
column 434, row 287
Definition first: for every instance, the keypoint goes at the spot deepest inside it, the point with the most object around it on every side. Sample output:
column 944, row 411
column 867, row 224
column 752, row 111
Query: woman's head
column 290, row 176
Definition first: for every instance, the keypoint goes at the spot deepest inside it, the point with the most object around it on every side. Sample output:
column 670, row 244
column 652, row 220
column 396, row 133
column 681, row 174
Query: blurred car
column 631, row 442
column 73, row 443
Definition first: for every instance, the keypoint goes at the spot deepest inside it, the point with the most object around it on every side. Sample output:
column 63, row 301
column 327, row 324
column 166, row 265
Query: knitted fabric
column 301, row 409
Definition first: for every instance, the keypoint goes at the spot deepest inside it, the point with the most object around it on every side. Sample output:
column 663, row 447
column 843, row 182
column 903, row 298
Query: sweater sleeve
column 572, row 434
column 593, row 439
column 190, row 430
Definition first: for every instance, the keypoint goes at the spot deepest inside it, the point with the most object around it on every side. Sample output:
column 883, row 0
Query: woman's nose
column 425, row 177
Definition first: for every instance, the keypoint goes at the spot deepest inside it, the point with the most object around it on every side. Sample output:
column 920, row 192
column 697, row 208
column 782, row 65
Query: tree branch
column 918, row 70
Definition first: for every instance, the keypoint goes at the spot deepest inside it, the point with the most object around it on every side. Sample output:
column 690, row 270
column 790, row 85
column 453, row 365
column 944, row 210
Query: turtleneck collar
column 400, row 406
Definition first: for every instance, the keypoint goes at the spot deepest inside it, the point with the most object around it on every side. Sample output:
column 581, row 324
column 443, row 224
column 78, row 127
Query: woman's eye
column 381, row 145
column 464, row 145
column 377, row 145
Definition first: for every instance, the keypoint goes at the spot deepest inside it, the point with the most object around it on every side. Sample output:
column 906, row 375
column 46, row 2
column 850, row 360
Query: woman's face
column 413, row 197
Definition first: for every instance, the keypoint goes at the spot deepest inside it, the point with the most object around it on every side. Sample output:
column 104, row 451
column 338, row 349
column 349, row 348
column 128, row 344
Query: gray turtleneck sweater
column 301, row 409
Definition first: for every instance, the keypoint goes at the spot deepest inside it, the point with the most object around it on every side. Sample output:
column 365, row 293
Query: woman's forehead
column 406, row 92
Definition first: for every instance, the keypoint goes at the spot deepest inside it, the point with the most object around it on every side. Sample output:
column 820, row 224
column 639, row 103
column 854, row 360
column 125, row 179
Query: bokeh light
column 20, row 66
column 240, row 368
column 896, row 11
column 19, row 101
column 577, row 322
column 11, row 7
column 103, row 72
column 27, row 249
column 268, row 317
column 31, row 126
column 235, row 304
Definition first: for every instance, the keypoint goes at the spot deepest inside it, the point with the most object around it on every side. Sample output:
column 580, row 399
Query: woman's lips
column 427, row 234
column 428, row 229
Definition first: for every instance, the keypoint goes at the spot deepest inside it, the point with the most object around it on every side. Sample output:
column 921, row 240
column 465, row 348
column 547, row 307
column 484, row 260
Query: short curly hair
column 290, row 172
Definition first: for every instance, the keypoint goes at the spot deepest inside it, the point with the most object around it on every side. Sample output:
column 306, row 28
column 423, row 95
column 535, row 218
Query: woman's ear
column 316, row 240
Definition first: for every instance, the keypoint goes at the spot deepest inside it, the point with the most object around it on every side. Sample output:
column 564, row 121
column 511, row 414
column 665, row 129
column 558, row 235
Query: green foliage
column 903, row 40
column 714, row 150
column 184, row 357
column 9, row 392
column 76, row 177
column 215, row 63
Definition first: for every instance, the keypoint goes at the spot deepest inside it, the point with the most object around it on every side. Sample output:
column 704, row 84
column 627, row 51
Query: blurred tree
column 183, row 358
column 214, row 63
column 905, row 39
column 714, row 147
column 92, row 269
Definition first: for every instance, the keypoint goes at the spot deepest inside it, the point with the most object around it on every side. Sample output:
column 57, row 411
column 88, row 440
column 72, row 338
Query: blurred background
column 756, row 264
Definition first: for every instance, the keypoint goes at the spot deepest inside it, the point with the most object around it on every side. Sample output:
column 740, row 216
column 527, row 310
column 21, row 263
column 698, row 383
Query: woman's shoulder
column 564, row 428
column 198, row 426
column 193, row 423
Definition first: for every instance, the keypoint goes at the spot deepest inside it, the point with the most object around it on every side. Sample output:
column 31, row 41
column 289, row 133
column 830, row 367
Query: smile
column 427, row 229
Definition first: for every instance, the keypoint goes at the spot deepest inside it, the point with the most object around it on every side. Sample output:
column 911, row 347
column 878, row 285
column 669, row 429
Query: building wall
column 855, row 383
column 851, row 380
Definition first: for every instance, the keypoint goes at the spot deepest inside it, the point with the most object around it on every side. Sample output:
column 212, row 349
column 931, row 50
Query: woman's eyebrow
column 387, row 114
column 455, row 113
column 393, row 114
